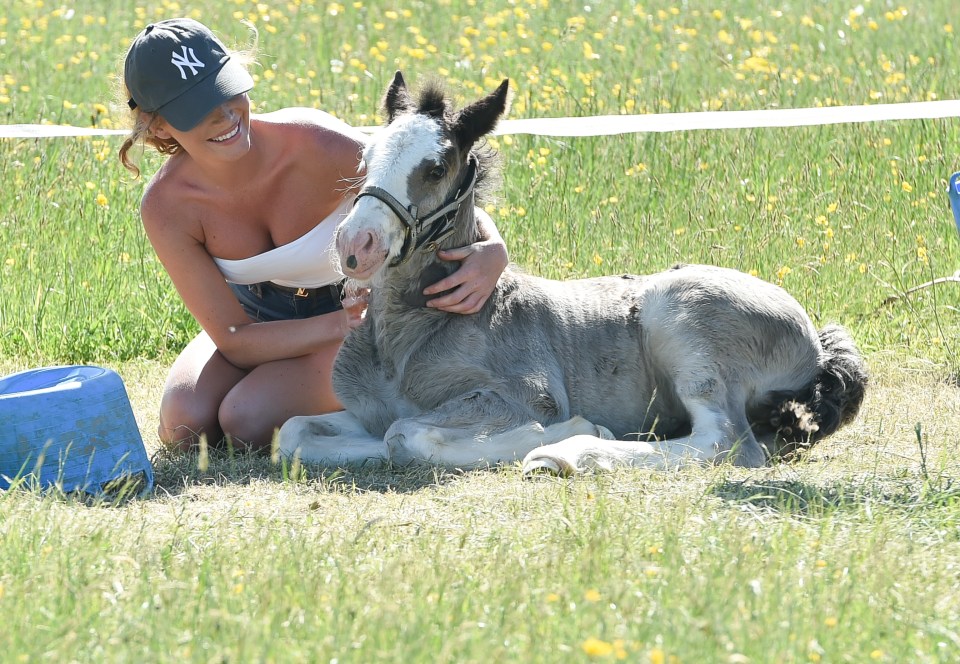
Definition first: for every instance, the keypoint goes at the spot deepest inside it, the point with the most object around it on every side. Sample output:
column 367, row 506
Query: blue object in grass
column 71, row 427
column 953, row 189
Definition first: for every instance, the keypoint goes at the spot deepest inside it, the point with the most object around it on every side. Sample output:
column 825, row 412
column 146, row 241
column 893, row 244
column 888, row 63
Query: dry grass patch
column 849, row 554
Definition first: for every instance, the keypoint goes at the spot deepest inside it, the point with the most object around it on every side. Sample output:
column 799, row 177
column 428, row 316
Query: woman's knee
column 246, row 423
column 184, row 418
column 258, row 406
column 195, row 386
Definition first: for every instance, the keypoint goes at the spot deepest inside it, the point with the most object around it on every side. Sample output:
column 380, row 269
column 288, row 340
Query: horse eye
column 437, row 172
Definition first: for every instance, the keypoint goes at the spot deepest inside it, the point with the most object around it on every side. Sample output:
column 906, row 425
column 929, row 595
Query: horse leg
column 719, row 430
column 334, row 439
column 478, row 429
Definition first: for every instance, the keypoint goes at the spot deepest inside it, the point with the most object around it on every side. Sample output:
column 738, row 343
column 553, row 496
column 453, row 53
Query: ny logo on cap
column 186, row 59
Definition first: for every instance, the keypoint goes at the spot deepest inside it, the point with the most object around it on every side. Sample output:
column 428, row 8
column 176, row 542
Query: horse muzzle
column 361, row 254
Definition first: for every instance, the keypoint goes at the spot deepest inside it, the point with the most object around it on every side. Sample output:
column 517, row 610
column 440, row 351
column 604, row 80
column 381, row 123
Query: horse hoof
column 544, row 466
column 604, row 433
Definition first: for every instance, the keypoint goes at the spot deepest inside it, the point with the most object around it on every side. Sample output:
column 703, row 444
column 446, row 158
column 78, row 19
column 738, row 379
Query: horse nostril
column 351, row 261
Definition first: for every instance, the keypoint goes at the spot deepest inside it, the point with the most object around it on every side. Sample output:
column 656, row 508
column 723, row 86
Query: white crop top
column 307, row 262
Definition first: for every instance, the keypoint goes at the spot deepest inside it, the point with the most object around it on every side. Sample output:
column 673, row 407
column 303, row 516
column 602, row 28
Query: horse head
column 420, row 175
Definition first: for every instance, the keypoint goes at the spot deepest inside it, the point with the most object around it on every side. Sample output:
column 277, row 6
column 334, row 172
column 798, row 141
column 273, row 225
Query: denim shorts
column 267, row 301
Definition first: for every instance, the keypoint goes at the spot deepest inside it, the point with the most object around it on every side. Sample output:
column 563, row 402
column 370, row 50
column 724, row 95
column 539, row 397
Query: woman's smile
column 227, row 135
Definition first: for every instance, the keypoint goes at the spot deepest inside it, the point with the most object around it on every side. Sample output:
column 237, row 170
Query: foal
column 695, row 363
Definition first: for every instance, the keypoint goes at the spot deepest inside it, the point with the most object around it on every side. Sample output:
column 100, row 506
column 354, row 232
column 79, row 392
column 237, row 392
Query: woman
column 241, row 216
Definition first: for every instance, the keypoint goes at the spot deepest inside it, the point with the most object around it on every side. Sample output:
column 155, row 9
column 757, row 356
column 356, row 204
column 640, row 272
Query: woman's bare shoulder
column 158, row 194
column 330, row 148
column 313, row 121
column 165, row 203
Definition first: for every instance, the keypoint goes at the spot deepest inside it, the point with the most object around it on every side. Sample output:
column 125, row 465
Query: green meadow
column 851, row 554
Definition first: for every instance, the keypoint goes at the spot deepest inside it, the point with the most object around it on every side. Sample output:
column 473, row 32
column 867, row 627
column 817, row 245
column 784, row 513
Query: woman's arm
column 481, row 264
column 250, row 344
column 209, row 299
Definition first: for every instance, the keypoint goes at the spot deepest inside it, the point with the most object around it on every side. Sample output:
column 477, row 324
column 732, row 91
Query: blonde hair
column 142, row 122
column 142, row 134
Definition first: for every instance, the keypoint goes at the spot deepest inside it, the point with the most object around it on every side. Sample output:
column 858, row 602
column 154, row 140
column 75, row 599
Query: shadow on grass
column 810, row 499
column 176, row 473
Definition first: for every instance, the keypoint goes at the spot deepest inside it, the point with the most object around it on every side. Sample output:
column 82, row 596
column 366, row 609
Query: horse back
column 618, row 346
column 579, row 344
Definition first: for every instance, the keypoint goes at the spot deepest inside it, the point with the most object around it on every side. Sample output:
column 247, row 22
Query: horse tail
column 832, row 400
column 842, row 382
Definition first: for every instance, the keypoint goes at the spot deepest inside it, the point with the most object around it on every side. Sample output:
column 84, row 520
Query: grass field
column 852, row 555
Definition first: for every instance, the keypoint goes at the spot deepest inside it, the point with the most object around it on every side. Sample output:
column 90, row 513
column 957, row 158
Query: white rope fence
column 606, row 125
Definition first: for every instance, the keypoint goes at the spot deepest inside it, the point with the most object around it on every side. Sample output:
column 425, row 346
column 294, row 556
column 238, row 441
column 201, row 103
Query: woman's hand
column 471, row 285
column 355, row 308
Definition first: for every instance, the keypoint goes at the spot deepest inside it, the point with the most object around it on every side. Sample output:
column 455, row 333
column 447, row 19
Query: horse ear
column 479, row 118
column 397, row 98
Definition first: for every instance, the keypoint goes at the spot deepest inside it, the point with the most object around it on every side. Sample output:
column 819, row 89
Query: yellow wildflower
column 594, row 647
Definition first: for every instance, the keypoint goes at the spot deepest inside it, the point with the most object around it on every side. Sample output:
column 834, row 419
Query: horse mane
column 434, row 101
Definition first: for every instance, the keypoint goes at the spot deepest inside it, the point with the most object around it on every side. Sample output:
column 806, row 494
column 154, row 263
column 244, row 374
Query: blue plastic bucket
column 953, row 191
column 70, row 427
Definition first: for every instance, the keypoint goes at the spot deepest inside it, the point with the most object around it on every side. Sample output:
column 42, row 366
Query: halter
column 438, row 224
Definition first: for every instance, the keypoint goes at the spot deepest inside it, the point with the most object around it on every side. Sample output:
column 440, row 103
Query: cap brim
column 189, row 109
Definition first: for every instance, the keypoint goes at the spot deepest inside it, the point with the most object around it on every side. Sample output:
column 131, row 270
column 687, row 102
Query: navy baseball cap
column 179, row 69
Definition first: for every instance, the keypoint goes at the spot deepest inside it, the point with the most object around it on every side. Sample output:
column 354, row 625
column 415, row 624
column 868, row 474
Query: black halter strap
column 427, row 231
